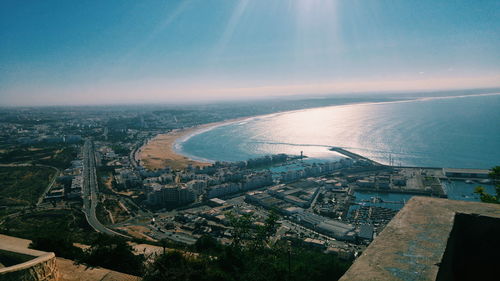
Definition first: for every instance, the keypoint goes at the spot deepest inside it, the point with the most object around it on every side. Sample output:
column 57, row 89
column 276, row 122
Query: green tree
column 62, row 247
column 241, row 228
column 490, row 198
column 246, row 231
column 113, row 253
column 175, row 266
column 164, row 244
column 206, row 243
column 245, row 260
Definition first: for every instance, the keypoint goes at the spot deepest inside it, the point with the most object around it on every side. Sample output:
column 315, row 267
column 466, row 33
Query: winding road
column 90, row 192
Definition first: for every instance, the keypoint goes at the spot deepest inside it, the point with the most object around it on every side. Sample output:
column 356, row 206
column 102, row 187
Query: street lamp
column 289, row 260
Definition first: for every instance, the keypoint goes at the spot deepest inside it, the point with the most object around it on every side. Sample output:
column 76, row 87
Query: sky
column 104, row 52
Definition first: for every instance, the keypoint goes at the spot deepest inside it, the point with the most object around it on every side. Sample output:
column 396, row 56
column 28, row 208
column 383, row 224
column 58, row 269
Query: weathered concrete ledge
column 413, row 244
column 43, row 268
column 32, row 264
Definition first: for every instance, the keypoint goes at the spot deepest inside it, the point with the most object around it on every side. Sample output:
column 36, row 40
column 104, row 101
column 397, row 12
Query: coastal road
column 133, row 155
column 90, row 192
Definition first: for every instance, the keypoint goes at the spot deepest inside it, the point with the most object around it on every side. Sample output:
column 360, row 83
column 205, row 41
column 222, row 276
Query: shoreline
column 161, row 150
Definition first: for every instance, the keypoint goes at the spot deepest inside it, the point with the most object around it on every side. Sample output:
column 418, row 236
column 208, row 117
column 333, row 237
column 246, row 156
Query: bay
column 459, row 132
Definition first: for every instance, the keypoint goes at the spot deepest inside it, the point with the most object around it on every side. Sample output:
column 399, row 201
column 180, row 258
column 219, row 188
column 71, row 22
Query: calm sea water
column 461, row 132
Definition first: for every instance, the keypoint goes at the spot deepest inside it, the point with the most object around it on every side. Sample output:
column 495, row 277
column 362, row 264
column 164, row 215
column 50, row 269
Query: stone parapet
column 41, row 268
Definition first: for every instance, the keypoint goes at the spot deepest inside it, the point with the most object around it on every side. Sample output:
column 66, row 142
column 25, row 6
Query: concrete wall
column 42, row 268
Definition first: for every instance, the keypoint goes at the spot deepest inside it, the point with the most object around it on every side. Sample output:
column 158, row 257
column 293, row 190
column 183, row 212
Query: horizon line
column 264, row 98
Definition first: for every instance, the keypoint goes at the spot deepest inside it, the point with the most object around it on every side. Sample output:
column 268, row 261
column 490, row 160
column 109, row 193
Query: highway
column 132, row 156
column 90, row 192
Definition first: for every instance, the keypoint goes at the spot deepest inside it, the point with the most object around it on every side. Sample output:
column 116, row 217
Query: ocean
column 458, row 132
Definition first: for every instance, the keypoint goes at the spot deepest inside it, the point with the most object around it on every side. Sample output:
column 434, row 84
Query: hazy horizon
column 127, row 52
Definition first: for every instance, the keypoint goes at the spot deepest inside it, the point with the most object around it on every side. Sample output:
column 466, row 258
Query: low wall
column 41, row 268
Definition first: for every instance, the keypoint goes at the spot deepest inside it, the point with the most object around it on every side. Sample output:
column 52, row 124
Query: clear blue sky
column 91, row 52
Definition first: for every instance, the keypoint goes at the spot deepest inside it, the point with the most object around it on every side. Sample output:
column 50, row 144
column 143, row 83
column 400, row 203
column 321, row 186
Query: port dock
column 447, row 173
column 354, row 156
column 426, row 181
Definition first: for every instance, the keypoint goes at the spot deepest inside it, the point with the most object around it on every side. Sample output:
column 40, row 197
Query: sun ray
column 231, row 25
column 170, row 17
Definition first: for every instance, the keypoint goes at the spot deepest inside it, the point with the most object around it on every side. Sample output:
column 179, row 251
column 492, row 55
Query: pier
column 446, row 173
column 440, row 193
column 354, row 156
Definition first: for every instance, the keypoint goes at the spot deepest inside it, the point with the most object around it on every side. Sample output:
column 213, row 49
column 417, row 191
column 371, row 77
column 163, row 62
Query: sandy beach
column 159, row 151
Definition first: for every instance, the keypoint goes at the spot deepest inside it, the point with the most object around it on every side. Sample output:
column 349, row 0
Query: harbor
column 376, row 192
column 426, row 181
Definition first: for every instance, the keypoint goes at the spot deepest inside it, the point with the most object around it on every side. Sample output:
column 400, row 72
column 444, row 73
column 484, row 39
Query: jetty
column 424, row 181
column 355, row 156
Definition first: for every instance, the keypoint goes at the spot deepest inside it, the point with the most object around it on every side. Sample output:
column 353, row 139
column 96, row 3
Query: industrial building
column 335, row 229
column 466, row 173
